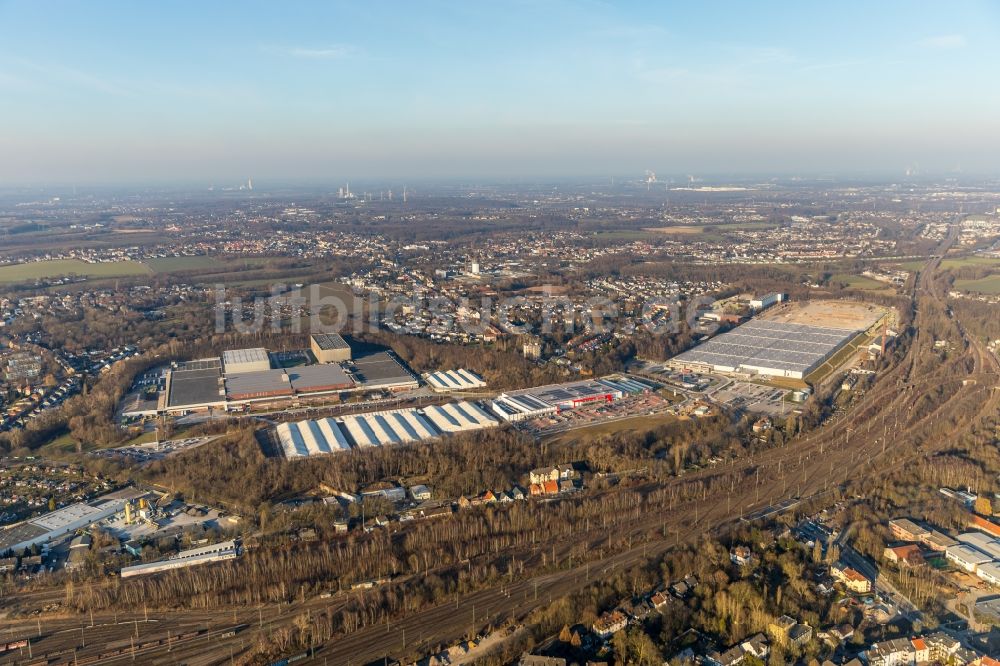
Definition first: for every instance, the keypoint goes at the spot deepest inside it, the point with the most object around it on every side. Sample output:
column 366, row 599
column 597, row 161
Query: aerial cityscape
column 445, row 334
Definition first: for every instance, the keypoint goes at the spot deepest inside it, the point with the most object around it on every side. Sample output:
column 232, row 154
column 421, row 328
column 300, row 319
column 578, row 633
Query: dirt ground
column 831, row 314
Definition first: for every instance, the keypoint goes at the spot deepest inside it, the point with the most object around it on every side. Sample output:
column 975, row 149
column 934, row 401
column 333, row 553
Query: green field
column 626, row 235
column 957, row 262
column 174, row 264
column 970, row 261
column 58, row 267
column 987, row 285
column 915, row 265
column 204, row 264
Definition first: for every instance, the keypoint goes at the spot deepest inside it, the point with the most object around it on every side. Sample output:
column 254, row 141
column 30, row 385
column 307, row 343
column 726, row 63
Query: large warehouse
column 397, row 426
column 329, row 348
column 454, row 380
column 543, row 400
column 243, row 376
column 246, row 360
column 218, row 552
column 763, row 347
column 60, row 522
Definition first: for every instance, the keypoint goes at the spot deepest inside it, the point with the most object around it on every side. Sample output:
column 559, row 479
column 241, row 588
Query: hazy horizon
column 120, row 93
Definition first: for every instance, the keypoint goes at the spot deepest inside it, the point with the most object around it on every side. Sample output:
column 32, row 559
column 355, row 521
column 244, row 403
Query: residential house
column 555, row 473
column 800, row 634
column 786, row 631
column 740, row 555
column 850, row 578
column 757, row 646
column 731, row 657
column 891, row 653
column 840, row 633
column 609, row 624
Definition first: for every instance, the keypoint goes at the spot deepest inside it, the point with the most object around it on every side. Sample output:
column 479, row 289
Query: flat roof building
column 58, row 523
column 990, row 572
column 905, row 529
column 329, row 348
column 382, row 370
column 195, row 385
column 762, row 347
column 258, row 385
column 981, row 542
column 246, row 360
column 228, row 550
column 323, row 378
column 967, row 557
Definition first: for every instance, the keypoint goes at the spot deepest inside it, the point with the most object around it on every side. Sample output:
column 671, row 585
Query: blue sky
column 214, row 91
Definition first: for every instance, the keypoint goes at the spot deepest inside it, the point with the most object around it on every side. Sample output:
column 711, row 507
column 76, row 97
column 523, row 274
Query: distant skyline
column 109, row 92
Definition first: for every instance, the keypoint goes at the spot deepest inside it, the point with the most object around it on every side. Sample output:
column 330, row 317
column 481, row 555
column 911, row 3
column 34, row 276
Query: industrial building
column 257, row 385
column 990, row 572
column 384, row 428
column 56, row 524
column 323, row 378
column 243, row 376
column 762, row 347
column 544, row 400
column 981, row 542
column 766, row 301
column 246, row 360
column 966, row 557
column 194, row 385
column 226, row 550
column 458, row 417
column 329, row 348
column 381, row 370
column 515, row 408
column 454, row 380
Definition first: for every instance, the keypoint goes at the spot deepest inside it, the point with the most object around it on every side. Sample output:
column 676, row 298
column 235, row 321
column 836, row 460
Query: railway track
column 857, row 443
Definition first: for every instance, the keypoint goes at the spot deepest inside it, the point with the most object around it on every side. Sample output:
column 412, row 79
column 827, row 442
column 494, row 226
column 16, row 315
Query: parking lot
column 648, row 404
column 751, row 397
column 150, row 451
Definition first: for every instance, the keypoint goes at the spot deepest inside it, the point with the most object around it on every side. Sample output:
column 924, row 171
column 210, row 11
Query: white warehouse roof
column 399, row 426
column 454, row 380
column 458, row 417
column 982, row 543
column 237, row 356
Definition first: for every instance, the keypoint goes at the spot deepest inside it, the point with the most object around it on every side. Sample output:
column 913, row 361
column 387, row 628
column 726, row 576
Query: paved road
column 808, row 465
